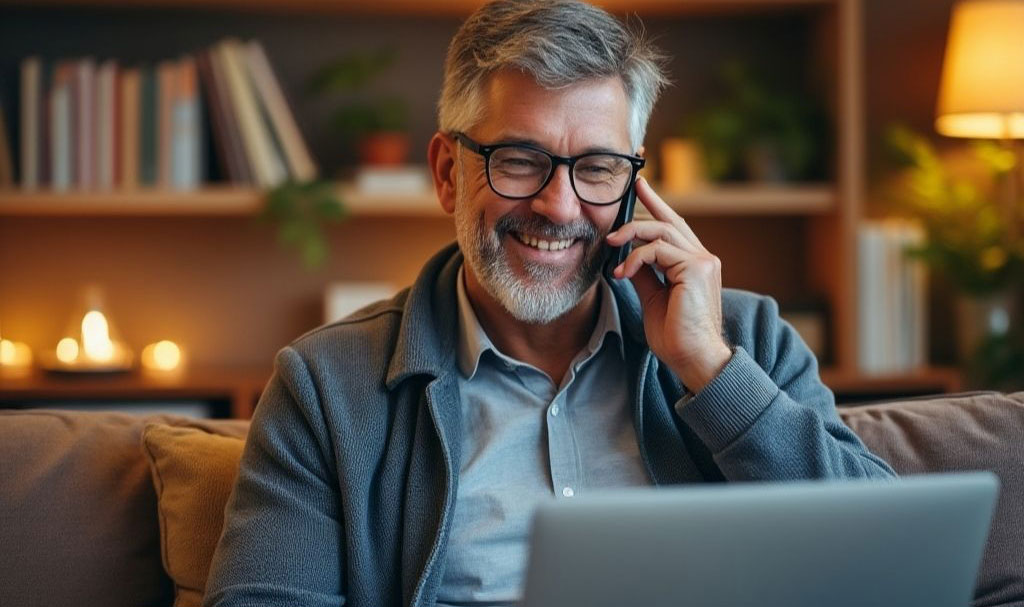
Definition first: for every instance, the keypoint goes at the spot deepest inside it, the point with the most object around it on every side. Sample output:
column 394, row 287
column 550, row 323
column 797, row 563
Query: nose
column 558, row 201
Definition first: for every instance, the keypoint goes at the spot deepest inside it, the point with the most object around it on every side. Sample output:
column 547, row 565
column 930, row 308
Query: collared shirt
column 528, row 439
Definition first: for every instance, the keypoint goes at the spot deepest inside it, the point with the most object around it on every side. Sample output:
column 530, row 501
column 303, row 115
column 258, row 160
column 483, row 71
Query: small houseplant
column 758, row 131
column 376, row 125
column 975, row 239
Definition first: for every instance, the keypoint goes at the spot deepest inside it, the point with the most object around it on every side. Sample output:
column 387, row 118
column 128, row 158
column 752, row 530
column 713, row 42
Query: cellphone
column 617, row 255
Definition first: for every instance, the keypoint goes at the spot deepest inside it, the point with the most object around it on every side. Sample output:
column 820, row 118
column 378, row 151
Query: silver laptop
column 914, row 542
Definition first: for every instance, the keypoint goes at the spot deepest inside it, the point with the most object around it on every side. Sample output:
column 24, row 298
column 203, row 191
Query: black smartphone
column 617, row 255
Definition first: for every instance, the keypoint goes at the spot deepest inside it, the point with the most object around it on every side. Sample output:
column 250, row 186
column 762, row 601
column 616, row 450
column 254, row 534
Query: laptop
column 913, row 542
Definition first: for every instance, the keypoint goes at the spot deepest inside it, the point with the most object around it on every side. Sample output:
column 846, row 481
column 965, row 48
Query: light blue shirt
column 528, row 439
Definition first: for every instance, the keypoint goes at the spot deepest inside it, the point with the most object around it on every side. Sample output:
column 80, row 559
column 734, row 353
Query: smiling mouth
column 542, row 244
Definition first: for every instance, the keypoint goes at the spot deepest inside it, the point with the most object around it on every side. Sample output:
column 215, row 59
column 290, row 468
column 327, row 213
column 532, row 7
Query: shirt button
column 554, row 410
column 568, row 492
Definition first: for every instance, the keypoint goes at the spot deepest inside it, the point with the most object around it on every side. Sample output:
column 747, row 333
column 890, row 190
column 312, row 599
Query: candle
column 163, row 356
column 15, row 358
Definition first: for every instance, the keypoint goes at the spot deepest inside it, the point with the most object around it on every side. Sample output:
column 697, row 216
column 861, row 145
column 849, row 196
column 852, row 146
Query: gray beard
column 537, row 300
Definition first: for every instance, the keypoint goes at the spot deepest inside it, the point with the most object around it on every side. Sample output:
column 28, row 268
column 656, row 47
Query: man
column 396, row 456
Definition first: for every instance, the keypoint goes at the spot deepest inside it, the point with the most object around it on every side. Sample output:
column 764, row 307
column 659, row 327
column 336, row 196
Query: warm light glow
column 15, row 358
column 6, row 352
column 162, row 356
column 67, row 350
column 96, row 337
column 982, row 91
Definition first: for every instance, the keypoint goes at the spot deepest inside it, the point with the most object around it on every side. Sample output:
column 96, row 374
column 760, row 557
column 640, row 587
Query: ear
column 441, row 158
column 640, row 152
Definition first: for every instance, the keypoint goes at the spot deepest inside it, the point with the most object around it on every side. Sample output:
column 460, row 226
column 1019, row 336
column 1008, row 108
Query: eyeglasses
column 518, row 171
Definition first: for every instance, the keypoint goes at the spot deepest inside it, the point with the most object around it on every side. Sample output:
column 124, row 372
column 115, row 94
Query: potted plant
column 972, row 241
column 756, row 131
column 376, row 125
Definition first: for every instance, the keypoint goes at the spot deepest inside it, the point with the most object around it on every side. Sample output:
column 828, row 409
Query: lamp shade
column 982, row 90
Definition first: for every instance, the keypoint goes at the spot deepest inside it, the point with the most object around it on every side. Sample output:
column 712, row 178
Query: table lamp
column 982, row 90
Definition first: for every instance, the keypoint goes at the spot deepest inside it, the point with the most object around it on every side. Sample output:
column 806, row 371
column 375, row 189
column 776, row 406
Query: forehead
column 592, row 113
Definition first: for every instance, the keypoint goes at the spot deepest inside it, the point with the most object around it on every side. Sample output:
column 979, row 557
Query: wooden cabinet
column 192, row 266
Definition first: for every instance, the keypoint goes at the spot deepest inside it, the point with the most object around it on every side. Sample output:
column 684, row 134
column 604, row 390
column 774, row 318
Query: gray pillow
column 78, row 515
column 981, row 431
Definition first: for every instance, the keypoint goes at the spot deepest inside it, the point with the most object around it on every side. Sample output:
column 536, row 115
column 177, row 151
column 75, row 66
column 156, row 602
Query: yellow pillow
column 193, row 473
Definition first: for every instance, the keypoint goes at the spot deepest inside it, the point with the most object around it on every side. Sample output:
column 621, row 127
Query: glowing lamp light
column 163, row 356
column 67, row 350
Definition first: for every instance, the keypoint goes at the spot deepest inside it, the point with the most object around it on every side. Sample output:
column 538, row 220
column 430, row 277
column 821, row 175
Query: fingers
column 661, row 211
column 649, row 231
column 672, row 261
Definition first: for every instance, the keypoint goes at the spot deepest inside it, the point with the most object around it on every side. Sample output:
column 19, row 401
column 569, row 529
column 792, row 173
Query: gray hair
column 558, row 43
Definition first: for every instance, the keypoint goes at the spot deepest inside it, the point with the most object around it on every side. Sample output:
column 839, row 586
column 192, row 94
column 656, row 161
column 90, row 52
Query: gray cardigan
column 347, row 484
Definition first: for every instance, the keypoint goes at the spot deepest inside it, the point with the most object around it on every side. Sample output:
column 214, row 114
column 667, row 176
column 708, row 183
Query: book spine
column 254, row 134
column 237, row 163
column 85, row 123
column 167, row 83
column 128, row 149
column 185, row 133
column 60, row 131
column 282, row 120
column 147, row 127
column 30, row 122
column 105, row 122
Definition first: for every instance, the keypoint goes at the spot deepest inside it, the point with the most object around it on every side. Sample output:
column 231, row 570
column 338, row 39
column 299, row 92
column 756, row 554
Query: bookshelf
column 230, row 201
column 812, row 255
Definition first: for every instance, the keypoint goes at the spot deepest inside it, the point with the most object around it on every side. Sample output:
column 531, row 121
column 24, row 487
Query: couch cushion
column 78, row 517
column 982, row 431
column 193, row 473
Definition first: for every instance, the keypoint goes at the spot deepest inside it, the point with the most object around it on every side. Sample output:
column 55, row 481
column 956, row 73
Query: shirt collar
column 473, row 340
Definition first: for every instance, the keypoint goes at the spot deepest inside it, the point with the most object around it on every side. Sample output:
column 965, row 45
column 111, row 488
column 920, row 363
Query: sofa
column 110, row 509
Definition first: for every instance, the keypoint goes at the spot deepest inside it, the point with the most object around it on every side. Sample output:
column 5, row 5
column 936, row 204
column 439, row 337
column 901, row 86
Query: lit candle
column 163, row 356
column 15, row 358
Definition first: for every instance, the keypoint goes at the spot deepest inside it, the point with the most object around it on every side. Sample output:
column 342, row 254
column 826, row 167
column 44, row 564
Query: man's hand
column 682, row 318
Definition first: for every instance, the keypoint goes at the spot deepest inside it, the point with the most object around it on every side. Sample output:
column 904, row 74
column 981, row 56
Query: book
column 185, row 134
column 83, row 103
column 106, row 124
column 892, row 298
column 282, row 121
column 7, row 178
column 147, row 127
column 31, row 122
column 225, row 148
column 128, row 148
column 61, row 147
column 263, row 163
column 166, row 87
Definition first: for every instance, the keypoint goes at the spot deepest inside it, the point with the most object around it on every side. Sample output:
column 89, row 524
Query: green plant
column 969, row 239
column 753, row 124
column 359, row 113
column 301, row 210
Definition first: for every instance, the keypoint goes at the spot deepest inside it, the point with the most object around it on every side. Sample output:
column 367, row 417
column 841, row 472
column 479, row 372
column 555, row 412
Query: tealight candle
column 163, row 356
column 15, row 358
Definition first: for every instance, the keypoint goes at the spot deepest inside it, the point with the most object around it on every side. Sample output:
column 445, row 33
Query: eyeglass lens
column 521, row 172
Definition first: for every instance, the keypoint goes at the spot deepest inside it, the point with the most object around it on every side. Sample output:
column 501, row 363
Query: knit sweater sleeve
column 282, row 542
column 767, row 415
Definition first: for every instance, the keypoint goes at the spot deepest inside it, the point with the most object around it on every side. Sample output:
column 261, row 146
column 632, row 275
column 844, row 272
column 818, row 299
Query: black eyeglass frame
column 636, row 162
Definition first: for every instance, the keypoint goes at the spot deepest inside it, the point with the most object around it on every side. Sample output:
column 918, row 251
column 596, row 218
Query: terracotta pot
column 388, row 148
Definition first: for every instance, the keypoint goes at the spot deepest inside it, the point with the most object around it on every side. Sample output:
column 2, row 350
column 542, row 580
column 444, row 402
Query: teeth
column 544, row 245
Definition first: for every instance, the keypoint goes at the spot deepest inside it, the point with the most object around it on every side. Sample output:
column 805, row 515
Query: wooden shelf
column 927, row 380
column 240, row 387
column 815, row 199
column 211, row 201
column 440, row 8
column 227, row 201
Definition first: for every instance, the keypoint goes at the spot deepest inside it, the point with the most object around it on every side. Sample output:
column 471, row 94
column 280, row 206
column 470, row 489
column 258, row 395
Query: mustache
column 540, row 227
